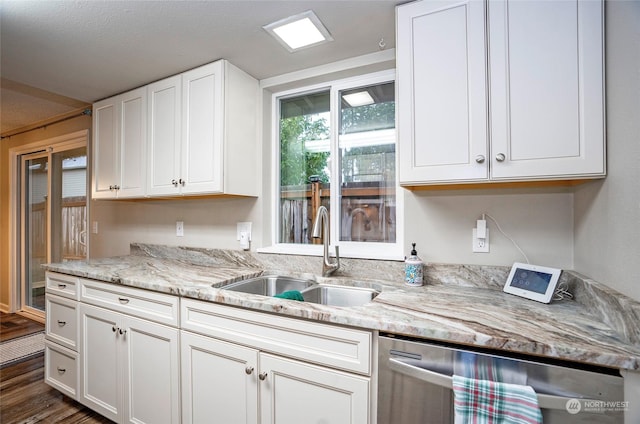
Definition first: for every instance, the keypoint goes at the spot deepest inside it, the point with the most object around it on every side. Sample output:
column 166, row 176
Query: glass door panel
column 35, row 198
column 69, row 205
column 54, row 216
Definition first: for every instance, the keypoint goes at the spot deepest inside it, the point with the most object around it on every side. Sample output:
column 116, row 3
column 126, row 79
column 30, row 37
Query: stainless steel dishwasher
column 415, row 384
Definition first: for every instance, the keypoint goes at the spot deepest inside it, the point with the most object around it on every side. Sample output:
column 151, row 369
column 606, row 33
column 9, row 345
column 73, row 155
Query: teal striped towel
column 490, row 402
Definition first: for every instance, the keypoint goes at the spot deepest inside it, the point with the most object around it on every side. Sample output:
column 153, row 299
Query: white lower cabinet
column 294, row 392
column 271, row 380
column 129, row 367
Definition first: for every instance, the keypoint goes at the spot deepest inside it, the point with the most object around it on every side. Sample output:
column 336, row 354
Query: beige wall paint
column 62, row 128
column 607, row 213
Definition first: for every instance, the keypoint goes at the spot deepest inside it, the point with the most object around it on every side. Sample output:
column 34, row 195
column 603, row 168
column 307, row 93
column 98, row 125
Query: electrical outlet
column 480, row 245
column 180, row 228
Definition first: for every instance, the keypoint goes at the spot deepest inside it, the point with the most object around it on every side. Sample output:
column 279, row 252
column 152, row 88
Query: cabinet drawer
column 61, row 369
column 61, row 323
column 161, row 308
column 333, row 346
column 62, row 285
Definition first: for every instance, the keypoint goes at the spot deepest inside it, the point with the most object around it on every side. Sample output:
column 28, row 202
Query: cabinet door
column 546, row 68
column 100, row 368
column 202, row 132
column 294, row 393
column 442, row 100
column 106, row 152
column 164, row 136
column 133, row 140
column 219, row 381
column 152, row 364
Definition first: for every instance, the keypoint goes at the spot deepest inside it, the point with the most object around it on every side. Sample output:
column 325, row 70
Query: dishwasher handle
column 446, row 381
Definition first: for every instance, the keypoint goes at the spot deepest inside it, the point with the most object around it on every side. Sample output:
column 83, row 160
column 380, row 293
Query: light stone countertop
column 459, row 304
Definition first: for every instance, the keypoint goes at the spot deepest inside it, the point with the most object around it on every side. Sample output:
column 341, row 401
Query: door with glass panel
column 53, row 216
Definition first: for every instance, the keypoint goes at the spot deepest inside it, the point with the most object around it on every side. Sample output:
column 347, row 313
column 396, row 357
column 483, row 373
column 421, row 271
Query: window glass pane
column 367, row 164
column 304, row 164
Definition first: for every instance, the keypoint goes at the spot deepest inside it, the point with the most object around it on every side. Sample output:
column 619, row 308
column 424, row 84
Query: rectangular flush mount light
column 360, row 98
column 299, row 31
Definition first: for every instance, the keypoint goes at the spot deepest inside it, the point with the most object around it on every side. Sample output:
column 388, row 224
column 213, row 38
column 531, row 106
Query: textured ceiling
column 89, row 50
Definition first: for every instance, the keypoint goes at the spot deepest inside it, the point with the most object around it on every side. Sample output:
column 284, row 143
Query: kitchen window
column 336, row 147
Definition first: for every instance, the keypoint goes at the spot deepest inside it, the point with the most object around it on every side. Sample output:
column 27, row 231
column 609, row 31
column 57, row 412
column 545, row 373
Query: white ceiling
column 55, row 55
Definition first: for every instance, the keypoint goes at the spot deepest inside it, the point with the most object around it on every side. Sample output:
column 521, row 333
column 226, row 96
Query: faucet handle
column 337, row 255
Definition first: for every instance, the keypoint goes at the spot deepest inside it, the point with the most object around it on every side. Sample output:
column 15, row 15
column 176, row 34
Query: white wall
column 539, row 221
column 607, row 214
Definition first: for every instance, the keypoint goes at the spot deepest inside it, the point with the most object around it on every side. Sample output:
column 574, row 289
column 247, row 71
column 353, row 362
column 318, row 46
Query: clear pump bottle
column 413, row 268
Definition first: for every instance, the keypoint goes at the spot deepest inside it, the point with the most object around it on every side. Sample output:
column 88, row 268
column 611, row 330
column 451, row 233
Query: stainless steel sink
column 269, row 285
column 324, row 294
column 327, row 294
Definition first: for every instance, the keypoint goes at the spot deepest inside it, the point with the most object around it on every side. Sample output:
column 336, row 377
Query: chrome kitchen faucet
column 322, row 217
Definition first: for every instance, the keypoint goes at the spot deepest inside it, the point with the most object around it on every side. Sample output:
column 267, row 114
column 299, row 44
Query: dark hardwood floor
column 24, row 396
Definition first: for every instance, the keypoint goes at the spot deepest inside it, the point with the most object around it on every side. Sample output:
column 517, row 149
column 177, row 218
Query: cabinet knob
column 117, row 187
column 114, row 328
column 182, row 182
column 480, row 158
column 500, row 157
column 248, row 370
column 61, row 370
column 121, row 331
column 110, row 188
column 62, row 323
column 263, row 376
column 175, row 183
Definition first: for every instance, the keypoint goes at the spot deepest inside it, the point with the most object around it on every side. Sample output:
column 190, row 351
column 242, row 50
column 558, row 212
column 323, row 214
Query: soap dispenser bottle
column 413, row 272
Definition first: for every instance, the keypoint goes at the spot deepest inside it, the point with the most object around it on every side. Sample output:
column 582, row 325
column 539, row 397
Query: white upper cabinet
column 530, row 107
column 203, row 136
column 546, row 89
column 442, row 101
column 165, row 99
column 119, row 146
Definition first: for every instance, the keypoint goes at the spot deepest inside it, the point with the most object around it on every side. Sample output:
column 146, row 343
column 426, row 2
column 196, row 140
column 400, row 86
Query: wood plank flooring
column 14, row 325
column 24, row 396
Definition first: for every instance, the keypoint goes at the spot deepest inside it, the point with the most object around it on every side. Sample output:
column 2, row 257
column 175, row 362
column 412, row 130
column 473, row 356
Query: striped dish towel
column 489, row 402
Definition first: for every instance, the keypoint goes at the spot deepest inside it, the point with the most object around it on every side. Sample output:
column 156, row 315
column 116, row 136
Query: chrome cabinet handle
column 248, row 370
column 500, row 157
column 480, row 158
column 263, row 376
column 62, row 323
column 61, row 370
column 123, row 300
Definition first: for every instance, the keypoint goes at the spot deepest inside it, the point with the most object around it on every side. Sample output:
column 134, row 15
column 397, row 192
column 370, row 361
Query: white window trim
column 348, row 249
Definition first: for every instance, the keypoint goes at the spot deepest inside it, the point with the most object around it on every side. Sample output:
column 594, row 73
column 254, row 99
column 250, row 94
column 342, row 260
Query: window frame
column 348, row 249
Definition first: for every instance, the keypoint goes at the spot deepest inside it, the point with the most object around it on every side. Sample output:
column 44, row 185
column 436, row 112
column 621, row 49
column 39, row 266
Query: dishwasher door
column 414, row 384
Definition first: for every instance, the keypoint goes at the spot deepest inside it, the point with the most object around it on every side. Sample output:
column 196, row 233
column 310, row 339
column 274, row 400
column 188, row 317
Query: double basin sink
column 324, row 294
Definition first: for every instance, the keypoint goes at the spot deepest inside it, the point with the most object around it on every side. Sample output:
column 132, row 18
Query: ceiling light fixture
column 361, row 98
column 299, row 31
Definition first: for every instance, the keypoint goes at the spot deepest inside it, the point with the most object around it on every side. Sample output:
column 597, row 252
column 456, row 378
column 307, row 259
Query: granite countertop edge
column 435, row 312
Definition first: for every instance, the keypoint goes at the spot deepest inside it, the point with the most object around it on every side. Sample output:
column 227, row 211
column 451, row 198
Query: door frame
column 51, row 145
